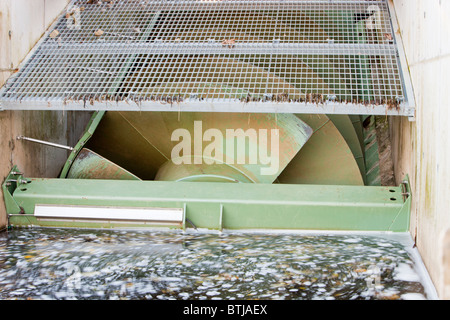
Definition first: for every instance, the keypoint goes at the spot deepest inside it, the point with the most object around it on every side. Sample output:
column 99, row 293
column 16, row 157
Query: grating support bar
column 274, row 4
column 133, row 102
column 55, row 50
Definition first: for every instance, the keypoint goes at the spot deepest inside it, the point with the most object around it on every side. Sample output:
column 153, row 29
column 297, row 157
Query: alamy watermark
column 236, row 146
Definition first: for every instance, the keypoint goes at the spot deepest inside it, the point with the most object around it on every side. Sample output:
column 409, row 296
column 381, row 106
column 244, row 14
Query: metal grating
column 296, row 56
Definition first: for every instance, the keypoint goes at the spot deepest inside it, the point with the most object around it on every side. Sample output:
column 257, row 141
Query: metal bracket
column 12, row 182
column 16, row 177
column 406, row 188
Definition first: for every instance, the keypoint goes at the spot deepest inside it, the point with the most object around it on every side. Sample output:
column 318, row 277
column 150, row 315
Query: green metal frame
column 220, row 205
column 230, row 206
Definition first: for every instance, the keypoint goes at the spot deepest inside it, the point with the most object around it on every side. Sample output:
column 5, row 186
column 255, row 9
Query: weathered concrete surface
column 22, row 23
column 422, row 149
column 387, row 176
column 446, row 264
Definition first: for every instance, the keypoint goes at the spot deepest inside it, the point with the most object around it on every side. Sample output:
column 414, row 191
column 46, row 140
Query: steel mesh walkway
column 298, row 56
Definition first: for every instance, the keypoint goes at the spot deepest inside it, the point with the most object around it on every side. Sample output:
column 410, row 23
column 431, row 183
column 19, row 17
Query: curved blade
column 325, row 159
column 143, row 142
column 89, row 165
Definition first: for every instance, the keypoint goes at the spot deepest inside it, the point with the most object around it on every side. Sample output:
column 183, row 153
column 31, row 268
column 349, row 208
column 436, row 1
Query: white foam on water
column 412, row 296
column 403, row 272
column 352, row 240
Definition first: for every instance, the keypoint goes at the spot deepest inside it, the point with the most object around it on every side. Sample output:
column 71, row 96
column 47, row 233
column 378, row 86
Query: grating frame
column 286, row 56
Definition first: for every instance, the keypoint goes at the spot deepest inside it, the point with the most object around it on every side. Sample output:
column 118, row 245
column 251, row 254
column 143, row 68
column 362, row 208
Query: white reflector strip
column 122, row 214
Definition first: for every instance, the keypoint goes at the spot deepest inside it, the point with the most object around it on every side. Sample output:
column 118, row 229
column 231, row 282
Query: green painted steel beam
column 223, row 205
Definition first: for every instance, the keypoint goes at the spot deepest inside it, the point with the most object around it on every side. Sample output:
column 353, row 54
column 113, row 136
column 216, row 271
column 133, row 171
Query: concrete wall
column 22, row 23
column 421, row 149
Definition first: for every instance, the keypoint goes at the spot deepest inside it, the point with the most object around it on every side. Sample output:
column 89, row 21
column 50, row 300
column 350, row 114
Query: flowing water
column 41, row 263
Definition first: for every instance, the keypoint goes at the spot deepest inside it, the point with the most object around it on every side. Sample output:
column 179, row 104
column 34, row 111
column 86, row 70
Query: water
column 40, row 263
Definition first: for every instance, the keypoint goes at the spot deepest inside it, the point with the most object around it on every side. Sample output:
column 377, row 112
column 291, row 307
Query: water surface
column 41, row 263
